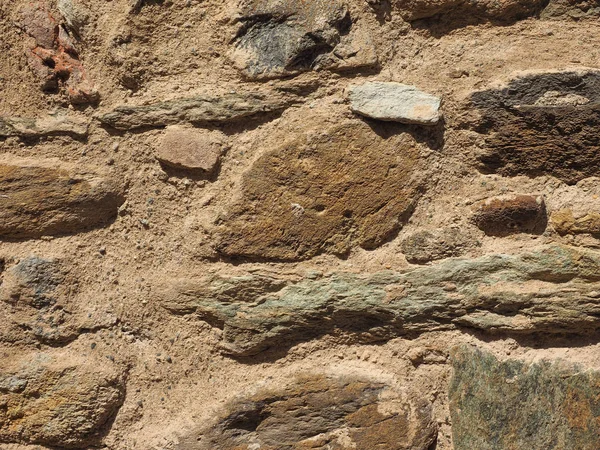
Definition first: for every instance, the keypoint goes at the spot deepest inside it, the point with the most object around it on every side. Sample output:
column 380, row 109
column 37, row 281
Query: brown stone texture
column 542, row 124
column 512, row 213
column 57, row 399
column 326, row 191
column 198, row 150
column 322, row 412
column 38, row 200
column 265, row 224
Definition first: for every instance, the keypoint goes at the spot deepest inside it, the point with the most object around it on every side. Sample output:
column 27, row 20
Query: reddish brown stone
column 508, row 214
column 185, row 148
column 54, row 58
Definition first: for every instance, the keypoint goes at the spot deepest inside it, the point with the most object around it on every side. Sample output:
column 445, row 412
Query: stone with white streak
column 395, row 102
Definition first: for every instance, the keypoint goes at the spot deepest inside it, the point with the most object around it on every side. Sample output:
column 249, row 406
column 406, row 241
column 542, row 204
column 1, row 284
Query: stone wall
column 299, row 224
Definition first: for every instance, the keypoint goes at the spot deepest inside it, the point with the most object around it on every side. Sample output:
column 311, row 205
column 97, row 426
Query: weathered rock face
column 425, row 246
column 512, row 213
column 38, row 200
column 552, row 290
column 58, row 399
column 282, row 38
column 543, row 124
column 183, row 148
column 395, row 102
column 512, row 404
column 201, row 109
column 324, row 192
column 323, row 412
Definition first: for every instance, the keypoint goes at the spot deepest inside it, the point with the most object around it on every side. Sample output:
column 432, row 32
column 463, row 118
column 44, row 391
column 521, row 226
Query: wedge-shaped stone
column 320, row 411
column 512, row 404
column 395, row 102
column 552, row 290
column 328, row 191
column 195, row 110
column 36, row 199
column 542, row 124
column 57, row 399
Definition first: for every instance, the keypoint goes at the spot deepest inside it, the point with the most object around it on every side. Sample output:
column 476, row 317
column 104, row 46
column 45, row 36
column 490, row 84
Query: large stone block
column 542, row 124
column 323, row 191
column 37, row 198
column 322, row 412
column 57, row 399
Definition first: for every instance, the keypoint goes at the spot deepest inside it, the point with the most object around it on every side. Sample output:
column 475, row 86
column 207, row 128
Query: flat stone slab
column 395, row 102
column 190, row 149
column 552, row 290
column 196, row 110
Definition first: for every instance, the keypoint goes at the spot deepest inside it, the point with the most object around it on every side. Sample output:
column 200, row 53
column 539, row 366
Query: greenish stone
column 552, row 290
column 502, row 405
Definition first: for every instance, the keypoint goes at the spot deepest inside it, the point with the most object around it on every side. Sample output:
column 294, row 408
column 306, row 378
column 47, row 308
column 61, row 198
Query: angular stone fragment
column 395, row 102
column 201, row 109
column 552, row 290
column 542, row 124
column 425, row 246
column 186, row 148
column 43, row 126
column 75, row 13
column 325, row 191
column 565, row 222
column 512, row 213
column 516, row 405
column 281, row 38
column 57, row 399
column 322, row 412
column 37, row 200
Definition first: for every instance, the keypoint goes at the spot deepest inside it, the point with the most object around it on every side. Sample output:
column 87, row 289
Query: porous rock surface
column 293, row 224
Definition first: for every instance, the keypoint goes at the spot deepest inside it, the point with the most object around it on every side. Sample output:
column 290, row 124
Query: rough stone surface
column 195, row 110
column 57, row 399
column 53, row 57
column 40, row 304
column 552, row 290
column 294, row 203
column 41, row 126
column 282, row 38
column 511, row 213
column 564, row 221
column 39, row 200
column 186, row 148
column 530, row 131
column 479, row 10
column 426, row 246
column 395, row 102
column 512, row 404
column 323, row 412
